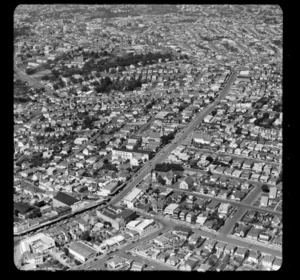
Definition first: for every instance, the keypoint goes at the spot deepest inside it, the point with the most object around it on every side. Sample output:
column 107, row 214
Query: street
column 161, row 155
column 218, row 153
column 247, row 203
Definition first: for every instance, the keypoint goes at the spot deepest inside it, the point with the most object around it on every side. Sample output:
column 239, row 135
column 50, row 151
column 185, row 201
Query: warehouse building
column 132, row 196
column 63, row 199
column 82, row 251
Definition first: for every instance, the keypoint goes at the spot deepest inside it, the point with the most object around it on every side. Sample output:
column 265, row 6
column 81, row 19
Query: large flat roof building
column 132, row 196
column 37, row 243
column 82, row 251
column 141, row 226
column 63, row 199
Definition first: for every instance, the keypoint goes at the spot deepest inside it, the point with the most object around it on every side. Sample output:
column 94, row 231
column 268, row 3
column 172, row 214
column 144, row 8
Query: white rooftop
column 132, row 195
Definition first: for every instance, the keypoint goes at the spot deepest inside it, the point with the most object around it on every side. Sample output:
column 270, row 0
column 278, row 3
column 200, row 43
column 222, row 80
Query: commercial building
column 109, row 217
column 39, row 243
column 170, row 208
column 132, row 196
column 117, row 219
column 111, row 242
column 202, row 138
column 109, row 188
column 25, row 211
column 82, row 251
column 141, row 226
column 130, row 154
column 117, row 262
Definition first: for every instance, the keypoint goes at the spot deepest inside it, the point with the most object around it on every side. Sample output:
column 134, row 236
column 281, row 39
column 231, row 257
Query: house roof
column 22, row 207
column 126, row 213
column 65, row 198
column 189, row 180
column 182, row 229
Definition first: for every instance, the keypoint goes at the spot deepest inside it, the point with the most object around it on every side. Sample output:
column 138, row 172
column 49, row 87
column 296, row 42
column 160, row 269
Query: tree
column 265, row 188
column 85, row 88
column 85, row 235
column 77, row 262
column 210, row 159
column 161, row 180
column 191, row 247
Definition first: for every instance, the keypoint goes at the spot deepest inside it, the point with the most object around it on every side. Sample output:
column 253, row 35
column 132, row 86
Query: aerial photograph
column 147, row 137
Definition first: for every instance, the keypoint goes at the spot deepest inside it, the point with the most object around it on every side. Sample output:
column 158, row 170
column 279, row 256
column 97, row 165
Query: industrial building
column 39, row 243
column 63, row 199
column 82, row 251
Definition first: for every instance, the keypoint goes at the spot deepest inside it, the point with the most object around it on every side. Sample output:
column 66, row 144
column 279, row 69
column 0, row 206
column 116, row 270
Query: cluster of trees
column 88, row 122
column 38, row 160
column 161, row 180
column 259, row 103
column 113, row 62
column 104, row 85
column 230, row 47
column 30, row 71
column 165, row 167
column 92, row 54
column 69, row 72
column 22, row 31
column 21, row 99
column 21, row 91
column 277, row 107
column 264, row 121
column 167, row 138
column 214, row 216
column 107, row 85
column 265, row 188
column 108, row 166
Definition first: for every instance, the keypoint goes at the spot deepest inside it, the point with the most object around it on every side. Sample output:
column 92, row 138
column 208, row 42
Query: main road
column 34, row 82
column 23, row 76
column 146, row 169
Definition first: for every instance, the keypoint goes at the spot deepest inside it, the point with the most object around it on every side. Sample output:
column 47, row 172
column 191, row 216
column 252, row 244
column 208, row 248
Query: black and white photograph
column 147, row 137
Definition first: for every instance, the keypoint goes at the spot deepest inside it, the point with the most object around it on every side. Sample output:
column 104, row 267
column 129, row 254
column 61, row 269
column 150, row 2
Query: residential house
column 276, row 264
column 267, row 261
column 220, row 248
column 229, row 249
column 162, row 257
column 189, row 264
column 241, row 252
column 187, row 183
column 253, row 256
column 241, row 230
column 210, row 244
column 174, row 260
column 253, row 233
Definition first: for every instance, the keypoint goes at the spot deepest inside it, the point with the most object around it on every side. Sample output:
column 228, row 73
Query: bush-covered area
column 115, row 61
column 165, row 167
